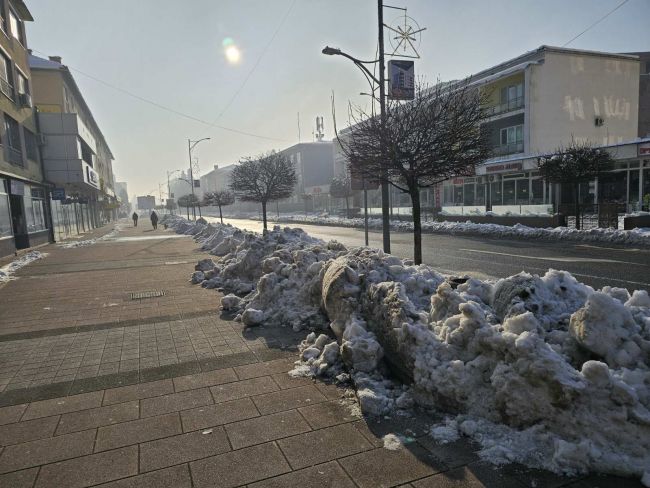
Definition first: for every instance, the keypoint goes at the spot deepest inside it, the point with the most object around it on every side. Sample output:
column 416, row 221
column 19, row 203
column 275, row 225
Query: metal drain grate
column 147, row 294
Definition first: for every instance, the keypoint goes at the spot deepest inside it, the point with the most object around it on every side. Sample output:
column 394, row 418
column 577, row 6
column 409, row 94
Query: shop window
column 480, row 195
column 537, row 192
column 633, row 197
column 469, row 194
column 523, row 195
column 509, row 192
column 5, row 212
column 458, row 194
column 34, row 209
column 646, row 184
column 447, row 195
column 496, row 197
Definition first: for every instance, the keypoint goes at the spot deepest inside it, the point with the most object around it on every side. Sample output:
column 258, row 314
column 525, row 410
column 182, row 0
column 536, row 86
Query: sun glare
column 231, row 51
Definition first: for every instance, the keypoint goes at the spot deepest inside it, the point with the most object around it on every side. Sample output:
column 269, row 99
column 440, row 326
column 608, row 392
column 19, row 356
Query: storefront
column 514, row 186
column 24, row 216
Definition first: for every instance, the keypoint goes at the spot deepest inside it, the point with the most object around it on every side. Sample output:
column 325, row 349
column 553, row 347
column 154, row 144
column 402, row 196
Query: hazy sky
column 172, row 52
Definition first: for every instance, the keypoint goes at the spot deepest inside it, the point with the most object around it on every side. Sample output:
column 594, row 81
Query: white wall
column 569, row 90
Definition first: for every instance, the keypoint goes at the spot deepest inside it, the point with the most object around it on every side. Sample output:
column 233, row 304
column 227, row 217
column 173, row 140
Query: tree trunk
column 200, row 216
column 264, row 215
column 347, row 206
column 576, row 190
column 220, row 215
column 417, row 227
column 188, row 212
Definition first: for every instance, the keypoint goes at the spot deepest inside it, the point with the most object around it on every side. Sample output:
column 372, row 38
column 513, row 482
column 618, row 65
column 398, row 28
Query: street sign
column 401, row 80
column 58, row 194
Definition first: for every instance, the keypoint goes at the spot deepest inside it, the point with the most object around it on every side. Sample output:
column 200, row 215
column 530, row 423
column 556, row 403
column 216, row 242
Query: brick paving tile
column 45, row 451
column 323, row 445
column 29, row 430
column 12, row 414
column 219, row 414
column 382, row 467
column 56, row 406
column 457, row 478
column 174, row 402
column 327, row 414
column 239, row 467
column 285, row 381
column 211, row 378
column 332, row 392
column 136, row 431
column 268, row 428
column 90, row 470
column 138, row 392
column 453, row 454
column 245, row 388
column 288, row 399
column 174, row 477
column 98, row 417
column 183, row 448
column 19, row 479
column 324, row 475
column 264, row 369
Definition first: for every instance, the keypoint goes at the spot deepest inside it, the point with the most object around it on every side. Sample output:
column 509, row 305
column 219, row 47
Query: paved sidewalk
column 167, row 393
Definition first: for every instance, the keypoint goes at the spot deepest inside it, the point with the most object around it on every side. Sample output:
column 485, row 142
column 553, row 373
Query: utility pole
column 189, row 152
column 385, row 211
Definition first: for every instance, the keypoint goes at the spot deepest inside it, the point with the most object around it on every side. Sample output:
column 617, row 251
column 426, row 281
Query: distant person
column 154, row 220
column 135, row 219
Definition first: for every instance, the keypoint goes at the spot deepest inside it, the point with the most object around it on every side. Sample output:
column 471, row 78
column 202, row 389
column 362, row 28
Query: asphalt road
column 481, row 257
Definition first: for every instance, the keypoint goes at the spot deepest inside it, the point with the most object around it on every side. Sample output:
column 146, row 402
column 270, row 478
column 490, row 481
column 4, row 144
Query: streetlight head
column 331, row 51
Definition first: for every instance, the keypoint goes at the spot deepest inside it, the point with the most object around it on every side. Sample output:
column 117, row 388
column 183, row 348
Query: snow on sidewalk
column 7, row 271
column 90, row 242
column 635, row 237
column 540, row 370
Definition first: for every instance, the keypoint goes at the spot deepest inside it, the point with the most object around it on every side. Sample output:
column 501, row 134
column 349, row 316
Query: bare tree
column 269, row 177
column 421, row 143
column 220, row 198
column 188, row 201
column 579, row 162
column 341, row 187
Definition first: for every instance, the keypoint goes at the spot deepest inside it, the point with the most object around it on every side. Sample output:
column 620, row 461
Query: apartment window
column 16, row 27
column 6, row 78
column 512, row 135
column 512, row 93
column 30, row 145
column 22, row 85
column 3, row 19
column 12, row 133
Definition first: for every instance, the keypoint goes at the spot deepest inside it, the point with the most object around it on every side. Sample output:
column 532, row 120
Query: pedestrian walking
column 154, row 219
column 135, row 219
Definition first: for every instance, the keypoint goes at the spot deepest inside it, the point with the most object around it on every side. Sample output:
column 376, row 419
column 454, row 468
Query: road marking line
column 559, row 259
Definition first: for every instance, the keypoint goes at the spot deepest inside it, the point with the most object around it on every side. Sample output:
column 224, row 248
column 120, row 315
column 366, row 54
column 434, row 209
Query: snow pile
column 542, row 370
column 89, row 242
column 7, row 271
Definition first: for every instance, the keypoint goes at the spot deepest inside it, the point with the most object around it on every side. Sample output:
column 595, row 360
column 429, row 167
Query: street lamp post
column 169, row 192
column 372, row 79
column 191, row 145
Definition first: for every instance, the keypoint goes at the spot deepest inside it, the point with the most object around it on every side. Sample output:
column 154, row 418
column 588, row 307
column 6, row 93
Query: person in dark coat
column 154, row 219
column 135, row 219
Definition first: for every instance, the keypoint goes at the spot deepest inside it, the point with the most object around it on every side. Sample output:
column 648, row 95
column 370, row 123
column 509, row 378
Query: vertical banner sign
column 401, row 79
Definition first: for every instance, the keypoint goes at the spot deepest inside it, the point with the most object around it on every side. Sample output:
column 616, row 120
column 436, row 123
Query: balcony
column 506, row 149
column 509, row 106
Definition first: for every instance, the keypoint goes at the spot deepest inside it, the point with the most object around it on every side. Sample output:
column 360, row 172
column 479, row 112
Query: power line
column 165, row 108
column 257, row 62
column 597, row 22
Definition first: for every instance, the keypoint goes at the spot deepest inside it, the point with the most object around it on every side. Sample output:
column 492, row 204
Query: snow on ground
column 90, row 242
column 7, row 271
column 540, row 370
column 635, row 237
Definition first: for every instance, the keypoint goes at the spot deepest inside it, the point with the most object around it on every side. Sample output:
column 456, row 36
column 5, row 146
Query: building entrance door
column 18, row 221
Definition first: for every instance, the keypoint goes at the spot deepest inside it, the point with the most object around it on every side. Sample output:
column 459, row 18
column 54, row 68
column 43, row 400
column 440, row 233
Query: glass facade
column 34, row 200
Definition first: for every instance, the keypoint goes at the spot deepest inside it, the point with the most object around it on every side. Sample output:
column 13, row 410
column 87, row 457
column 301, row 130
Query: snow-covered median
column 7, row 271
column 636, row 237
column 541, row 370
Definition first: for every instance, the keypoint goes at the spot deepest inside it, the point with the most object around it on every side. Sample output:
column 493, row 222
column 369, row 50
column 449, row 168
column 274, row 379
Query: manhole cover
column 147, row 294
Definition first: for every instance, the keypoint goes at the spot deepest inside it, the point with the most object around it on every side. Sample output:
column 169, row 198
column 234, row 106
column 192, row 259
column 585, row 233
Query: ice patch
column 7, row 272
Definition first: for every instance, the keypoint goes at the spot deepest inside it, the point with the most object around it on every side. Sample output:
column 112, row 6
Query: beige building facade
column 24, row 215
